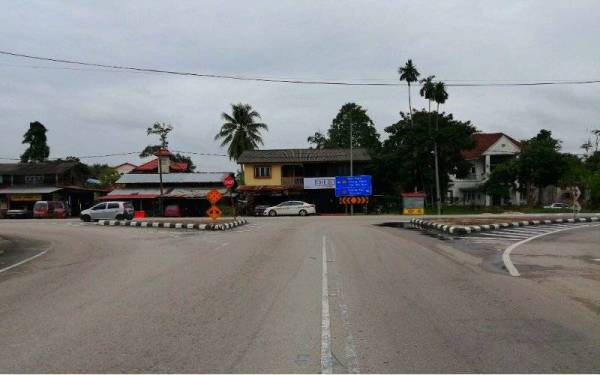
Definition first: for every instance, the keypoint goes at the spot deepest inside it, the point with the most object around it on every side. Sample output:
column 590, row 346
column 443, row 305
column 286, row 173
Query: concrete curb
column 466, row 229
column 161, row 224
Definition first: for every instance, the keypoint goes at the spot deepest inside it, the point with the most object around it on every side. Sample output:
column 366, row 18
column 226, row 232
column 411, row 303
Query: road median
column 459, row 227
column 174, row 224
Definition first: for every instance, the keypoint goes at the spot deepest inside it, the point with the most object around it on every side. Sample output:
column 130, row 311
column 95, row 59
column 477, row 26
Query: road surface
column 316, row 294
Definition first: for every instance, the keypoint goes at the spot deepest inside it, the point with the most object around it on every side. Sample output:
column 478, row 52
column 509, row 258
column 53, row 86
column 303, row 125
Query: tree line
column 420, row 153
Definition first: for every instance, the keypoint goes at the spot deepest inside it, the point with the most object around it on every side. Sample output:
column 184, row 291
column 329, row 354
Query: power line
column 124, row 154
column 290, row 81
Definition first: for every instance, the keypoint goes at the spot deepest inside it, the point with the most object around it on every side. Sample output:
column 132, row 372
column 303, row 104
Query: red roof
column 483, row 141
column 162, row 152
column 152, row 165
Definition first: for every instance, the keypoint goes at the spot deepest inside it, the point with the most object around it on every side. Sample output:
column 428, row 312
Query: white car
column 291, row 208
column 558, row 206
column 108, row 211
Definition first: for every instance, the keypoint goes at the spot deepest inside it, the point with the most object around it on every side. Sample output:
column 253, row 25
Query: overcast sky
column 91, row 112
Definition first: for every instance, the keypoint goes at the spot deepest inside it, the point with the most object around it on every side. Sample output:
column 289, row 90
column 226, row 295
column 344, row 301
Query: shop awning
column 29, row 190
column 198, row 193
column 138, row 193
column 267, row 188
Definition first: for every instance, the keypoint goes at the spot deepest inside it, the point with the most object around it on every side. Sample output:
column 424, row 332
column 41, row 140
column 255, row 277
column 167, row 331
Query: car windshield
column 40, row 206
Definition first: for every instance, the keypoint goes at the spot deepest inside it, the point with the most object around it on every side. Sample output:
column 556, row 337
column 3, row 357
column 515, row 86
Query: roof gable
column 483, row 142
column 152, row 165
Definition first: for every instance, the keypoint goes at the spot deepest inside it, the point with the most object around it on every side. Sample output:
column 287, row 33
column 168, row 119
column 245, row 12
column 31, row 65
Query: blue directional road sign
column 353, row 186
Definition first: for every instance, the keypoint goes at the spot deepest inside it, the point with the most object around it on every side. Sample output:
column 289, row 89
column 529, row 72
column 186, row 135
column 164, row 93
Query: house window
column 262, row 172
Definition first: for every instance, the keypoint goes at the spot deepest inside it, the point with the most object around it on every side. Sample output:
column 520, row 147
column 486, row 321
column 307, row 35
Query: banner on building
column 25, row 197
column 319, row 183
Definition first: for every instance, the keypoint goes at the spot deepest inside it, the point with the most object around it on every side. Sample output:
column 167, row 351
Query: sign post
column 413, row 203
column 357, row 188
column 213, row 197
column 229, row 183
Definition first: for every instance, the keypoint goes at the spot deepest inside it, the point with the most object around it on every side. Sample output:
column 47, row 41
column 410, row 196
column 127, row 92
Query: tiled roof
column 303, row 155
column 173, row 178
column 26, row 169
column 153, row 165
column 483, row 141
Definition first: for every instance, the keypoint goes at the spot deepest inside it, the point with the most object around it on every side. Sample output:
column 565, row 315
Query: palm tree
column 428, row 89
column 440, row 95
column 409, row 73
column 240, row 130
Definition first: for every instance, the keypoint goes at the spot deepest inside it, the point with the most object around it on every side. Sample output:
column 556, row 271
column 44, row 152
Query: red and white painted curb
column 162, row 224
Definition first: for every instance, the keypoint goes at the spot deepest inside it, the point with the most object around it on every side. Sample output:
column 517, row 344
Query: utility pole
column 351, row 165
column 160, row 177
column 437, row 180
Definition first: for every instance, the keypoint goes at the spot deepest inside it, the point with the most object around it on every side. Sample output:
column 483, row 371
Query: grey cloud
column 92, row 112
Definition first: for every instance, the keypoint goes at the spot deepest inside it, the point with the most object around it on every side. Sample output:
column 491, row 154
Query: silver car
column 108, row 211
column 291, row 208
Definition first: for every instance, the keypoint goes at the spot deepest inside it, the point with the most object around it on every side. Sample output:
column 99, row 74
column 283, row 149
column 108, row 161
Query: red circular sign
column 229, row 181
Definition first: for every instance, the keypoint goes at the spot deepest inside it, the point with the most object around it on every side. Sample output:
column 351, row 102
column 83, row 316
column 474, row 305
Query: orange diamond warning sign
column 214, row 212
column 214, row 196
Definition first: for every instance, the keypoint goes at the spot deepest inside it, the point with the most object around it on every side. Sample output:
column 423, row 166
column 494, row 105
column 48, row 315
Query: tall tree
column 162, row 130
column 240, row 130
column 38, row 149
column 408, row 153
column 540, row 163
column 409, row 73
column 574, row 177
column 364, row 133
column 439, row 96
column 319, row 140
column 427, row 90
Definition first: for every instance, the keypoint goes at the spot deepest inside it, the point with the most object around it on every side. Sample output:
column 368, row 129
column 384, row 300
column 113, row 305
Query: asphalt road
column 263, row 298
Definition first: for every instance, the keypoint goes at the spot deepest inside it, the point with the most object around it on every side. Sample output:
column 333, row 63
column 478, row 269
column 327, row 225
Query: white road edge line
column 326, row 356
column 506, row 255
column 24, row 261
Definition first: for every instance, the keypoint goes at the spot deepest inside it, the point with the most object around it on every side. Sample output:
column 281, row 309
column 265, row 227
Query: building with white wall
column 490, row 150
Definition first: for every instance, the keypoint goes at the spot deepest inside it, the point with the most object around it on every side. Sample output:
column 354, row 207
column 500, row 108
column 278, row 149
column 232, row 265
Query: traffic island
column 462, row 226
column 197, row 224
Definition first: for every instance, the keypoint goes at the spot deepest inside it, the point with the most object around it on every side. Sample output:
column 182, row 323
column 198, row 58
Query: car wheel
column 119, row 217
column 272, row 213
column 302, row 213
column 86, row 218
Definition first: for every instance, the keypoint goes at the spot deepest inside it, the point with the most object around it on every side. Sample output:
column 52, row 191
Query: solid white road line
column 506, row 255
column 24, row 261
column 326, row 356
column 500, row 235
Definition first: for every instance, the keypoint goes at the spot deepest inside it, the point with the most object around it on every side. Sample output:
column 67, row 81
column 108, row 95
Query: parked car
column 558, row 206
column 259, row 209
column 173, row 210
column 19, row 213
column 108, row 211
column 291, row 208
column 50, row 209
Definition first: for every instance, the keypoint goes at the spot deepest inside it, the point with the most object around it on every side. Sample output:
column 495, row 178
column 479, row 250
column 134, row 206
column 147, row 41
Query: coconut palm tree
column 240, row 130
column 409, row 73
column 440, row 95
